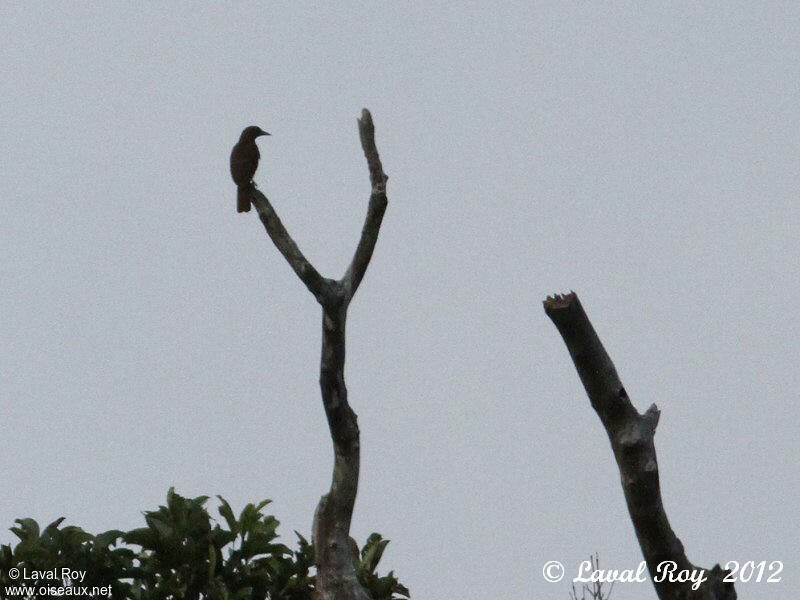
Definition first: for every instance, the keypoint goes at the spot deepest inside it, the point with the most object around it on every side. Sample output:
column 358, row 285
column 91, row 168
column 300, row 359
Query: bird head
column 252, row 132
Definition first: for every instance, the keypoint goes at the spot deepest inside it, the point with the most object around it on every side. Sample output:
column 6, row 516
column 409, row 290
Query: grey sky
column 644, row 156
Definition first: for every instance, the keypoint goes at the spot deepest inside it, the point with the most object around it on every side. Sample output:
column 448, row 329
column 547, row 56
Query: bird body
column 244, row 162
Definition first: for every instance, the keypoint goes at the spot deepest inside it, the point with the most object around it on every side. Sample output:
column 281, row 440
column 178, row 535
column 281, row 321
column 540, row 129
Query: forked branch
column 377, row 206
column 284, row 242
column 336, row 575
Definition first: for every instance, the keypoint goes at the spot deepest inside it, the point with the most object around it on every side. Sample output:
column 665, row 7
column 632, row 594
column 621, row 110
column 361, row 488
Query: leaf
column 74, row 535
column 29, row 529
column 260, row 545
column 53, row 527
column 107, row 538
column 6, row 555
column 373, row 554
column 164, row 529
column 221, row 538
column 176, row 505
column 227, row 513
column 143, row 536
column 265, row 528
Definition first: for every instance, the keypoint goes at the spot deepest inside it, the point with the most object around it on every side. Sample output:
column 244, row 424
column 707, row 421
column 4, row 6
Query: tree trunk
column 336, row 573
column 631, row 435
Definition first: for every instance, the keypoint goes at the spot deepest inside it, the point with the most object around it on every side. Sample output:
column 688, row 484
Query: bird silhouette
column 244, row 162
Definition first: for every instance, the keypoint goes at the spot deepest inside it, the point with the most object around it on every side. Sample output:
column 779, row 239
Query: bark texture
column 336, row 574
column 632, row 440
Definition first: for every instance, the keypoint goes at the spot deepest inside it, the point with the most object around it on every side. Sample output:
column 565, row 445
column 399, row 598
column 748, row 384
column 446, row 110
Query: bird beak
column 263, row 133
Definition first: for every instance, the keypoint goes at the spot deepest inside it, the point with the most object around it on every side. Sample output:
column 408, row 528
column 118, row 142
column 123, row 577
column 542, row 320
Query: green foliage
column 184, row 554
column 380, row 588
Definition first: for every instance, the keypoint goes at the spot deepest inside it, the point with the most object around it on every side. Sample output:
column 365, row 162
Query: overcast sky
column 644, row 156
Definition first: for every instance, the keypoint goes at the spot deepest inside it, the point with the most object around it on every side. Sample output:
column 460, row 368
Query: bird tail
column 243, row 199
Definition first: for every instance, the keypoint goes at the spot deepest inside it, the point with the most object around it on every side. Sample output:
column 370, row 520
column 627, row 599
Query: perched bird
column 244, row 162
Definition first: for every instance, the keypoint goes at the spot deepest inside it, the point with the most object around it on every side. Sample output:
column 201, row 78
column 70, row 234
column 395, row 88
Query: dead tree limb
column 631, row 435
column 336, row 574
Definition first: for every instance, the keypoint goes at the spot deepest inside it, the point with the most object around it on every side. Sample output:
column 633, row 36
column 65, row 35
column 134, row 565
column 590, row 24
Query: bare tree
column 336, row 574
column 631, row 435
column 596, row 591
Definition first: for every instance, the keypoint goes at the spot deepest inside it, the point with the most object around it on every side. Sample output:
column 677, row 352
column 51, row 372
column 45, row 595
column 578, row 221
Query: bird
column 244, row 162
